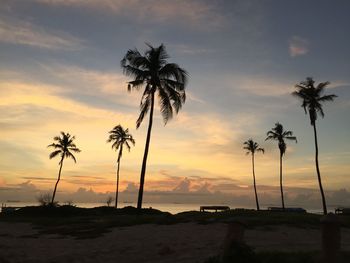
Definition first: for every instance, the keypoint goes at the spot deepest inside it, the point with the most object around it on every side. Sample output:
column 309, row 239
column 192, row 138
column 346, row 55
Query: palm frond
column 144, row 107
column 136, row 84
column 278, row 134
column 327, row 98
column 165, row 105
column 152, row 70
column 74, row 149
column 54, row 154
column 64, row 145
column 120, row 137
column 261, row 150
column 134, row 71
column 291, row 138
column 172, row 71
column 127, row 146
column 177, row 98
column 251, row 146
column 70, row 155
column 131, row 139
column 321, row 86
column 311, row 97
column 55, row 145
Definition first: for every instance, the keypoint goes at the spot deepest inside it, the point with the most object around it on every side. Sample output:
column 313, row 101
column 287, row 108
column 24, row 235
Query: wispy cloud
column 264, row 85
column 190, row 50
column 93, row 81
column 298, row 46
column 191, row 13
column 25, row 33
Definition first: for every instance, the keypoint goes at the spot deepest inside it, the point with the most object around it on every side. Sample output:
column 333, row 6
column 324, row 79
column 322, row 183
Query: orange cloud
column 298, row 46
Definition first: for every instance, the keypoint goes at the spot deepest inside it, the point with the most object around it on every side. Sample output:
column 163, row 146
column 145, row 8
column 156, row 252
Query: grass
column 94, row 222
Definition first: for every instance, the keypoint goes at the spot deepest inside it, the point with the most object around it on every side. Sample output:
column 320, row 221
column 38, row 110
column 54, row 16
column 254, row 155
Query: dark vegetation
column 93, row 222
column 245, row 254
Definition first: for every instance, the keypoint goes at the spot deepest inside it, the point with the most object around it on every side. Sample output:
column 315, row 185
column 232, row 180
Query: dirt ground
column 185, row 242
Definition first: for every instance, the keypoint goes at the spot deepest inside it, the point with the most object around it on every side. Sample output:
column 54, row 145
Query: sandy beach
column 183, row 242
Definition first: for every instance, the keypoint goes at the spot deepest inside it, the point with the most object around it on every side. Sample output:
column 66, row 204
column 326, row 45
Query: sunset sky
column 60, row 71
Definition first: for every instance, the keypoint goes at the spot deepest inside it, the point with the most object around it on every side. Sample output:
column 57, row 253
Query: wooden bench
column 214, row 207
column 343, row 210
column 9, row 209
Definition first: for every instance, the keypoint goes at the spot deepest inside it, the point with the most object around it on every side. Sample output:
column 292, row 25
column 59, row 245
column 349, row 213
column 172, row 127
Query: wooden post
column 234, row 241
column 330, row 226
column 235, row 234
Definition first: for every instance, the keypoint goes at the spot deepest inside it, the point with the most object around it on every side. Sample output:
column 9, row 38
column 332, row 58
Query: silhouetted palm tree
column 64, row 147
column 119, row 137
column 279, row 134
column 253, row 147
column 312, row 102
column 152, row 72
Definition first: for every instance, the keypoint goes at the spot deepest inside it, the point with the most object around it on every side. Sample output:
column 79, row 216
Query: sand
column 186, row 242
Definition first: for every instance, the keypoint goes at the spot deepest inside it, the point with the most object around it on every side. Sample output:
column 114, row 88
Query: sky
column 60, row 71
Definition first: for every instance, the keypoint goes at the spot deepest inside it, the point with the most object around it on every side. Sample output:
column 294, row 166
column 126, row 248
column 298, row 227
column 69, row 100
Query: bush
column 109, row 200
column 45, row 200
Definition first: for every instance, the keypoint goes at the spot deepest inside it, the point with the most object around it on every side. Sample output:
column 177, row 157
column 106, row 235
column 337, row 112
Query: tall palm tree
column 64, row 147
column 119, row 137
column 253, row 147
column 312, row 98
column 155, row 75
column 279, row 134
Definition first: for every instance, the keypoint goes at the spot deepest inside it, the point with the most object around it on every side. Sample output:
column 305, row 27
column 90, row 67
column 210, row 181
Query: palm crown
column 252, row 147
column 152, row 72
column 279, row 134
column 64, row 147
column 312, row 97
column 120, row 137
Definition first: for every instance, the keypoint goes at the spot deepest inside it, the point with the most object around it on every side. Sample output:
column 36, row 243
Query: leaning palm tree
column 119, row 137
column 155, row 75
column 64, row 147
column 279, row 134
column 253, row 147
column 312, row 98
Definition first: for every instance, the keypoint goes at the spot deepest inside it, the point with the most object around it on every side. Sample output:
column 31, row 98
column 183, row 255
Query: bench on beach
column 287, row 209
column 342, row 211
column 213, row 207
column 9, row 209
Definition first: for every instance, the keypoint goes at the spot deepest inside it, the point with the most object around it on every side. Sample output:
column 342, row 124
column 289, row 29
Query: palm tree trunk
column 318, row 172
column 58, row 179
column 144, row 162
column 117, row 187
column 256, row 194
column 281, row 185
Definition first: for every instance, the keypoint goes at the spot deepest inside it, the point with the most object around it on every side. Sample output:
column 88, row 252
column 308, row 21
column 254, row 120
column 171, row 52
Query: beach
column 182, row 242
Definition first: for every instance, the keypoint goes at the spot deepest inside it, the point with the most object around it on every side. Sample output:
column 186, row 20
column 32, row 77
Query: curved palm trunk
column 58, row 179
column 281, row 185
column 256, row 194
column 318, row 172
column 144, row 162
column 117, row 186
